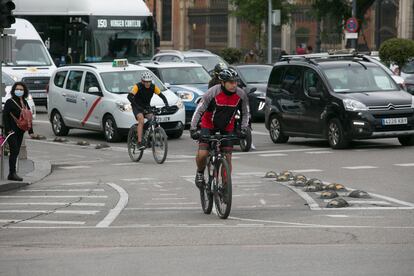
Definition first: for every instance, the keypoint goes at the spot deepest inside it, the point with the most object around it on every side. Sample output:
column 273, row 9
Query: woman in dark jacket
column 19, row 93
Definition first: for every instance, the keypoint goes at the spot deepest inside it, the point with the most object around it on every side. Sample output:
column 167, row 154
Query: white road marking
column 65, row 196
column 167, row 194
column 250, row 173
column 69, row 212
column 138, row 179
column 309, row 200
column 259, row 133
column 405, row 165
column 369, row 208
column 372, row 202
column 247, row 186
column 172, row 203
column 161, row 208
column 168, row 198
column 41, row 122
column 114, row 213
column 74, row 167
column 401, row 202
column 337, row 216
column 360, row 167
column 262, row 201
column 319, row 152
column 76, row 155
column 33, row 221
column 62, row 190
column 306, row 171
column 272, row 154
column 51, row 204
column 177, row 161
column 276, row 151
column 124, row 164
column 77, row 183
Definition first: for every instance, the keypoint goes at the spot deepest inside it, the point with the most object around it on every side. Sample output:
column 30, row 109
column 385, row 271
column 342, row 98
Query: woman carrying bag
column 17, row 119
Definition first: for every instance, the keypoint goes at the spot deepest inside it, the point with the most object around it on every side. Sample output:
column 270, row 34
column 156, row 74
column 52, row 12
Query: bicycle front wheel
column 206, row 194
column 223, row 192
column 134, row 153
column 159, row 145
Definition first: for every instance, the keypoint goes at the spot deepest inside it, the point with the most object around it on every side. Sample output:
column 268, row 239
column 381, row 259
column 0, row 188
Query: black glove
column 195, row 135
column 243, row 133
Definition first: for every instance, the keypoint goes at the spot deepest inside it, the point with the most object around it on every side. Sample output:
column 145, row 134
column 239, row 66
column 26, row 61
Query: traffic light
column 6, row 13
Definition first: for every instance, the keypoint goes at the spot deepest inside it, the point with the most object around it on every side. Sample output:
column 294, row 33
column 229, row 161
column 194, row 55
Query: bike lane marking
column 114, row 213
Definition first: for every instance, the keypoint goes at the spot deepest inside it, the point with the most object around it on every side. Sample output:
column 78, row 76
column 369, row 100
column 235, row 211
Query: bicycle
column 218, row 175
column 154, row 137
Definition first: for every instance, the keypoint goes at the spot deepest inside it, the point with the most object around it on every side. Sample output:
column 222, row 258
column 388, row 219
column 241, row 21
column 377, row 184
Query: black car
column 339, row 98
column 254, row 77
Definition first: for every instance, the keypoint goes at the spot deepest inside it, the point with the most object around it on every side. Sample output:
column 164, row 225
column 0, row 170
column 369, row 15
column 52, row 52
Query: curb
column 41, row 170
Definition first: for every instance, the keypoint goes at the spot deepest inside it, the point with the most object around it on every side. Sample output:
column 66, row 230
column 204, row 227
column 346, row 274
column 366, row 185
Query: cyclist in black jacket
column 217, row 69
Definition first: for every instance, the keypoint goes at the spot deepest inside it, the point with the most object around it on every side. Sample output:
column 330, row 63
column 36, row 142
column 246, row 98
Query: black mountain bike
column 153, row 136
column 217, row 176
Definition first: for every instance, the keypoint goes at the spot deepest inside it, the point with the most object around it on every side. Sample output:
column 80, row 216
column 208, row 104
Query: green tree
column 397, row 50
column 255, row 12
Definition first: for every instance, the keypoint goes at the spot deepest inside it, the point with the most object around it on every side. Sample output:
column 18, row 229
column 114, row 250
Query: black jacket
column 8, row 121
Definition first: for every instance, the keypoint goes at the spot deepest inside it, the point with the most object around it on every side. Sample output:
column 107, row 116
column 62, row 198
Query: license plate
column 38, row 95
column 163, row 119
column 394, row 121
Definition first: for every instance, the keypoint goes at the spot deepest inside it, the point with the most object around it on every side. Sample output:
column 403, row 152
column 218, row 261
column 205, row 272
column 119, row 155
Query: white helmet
column 146, row 76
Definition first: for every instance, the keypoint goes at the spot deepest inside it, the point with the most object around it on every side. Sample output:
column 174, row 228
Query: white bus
column 91, row 30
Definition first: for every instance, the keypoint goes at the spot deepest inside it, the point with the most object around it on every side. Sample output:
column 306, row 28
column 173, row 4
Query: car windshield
column 357, row 78
column 408, row 68
column 208, row 62
column 107, row 45
column 122, row 82
column 31, row 53
column 255, row 74
column 7, row 80
column 185, row 75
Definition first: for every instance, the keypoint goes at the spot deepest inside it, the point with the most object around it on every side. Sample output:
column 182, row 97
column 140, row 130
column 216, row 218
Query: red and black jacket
column 218, row 108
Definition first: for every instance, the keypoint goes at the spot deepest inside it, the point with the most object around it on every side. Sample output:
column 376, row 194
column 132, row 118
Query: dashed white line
column 172, row 203
column 137, row 179
column 319, row 152
column 65, row 196
column 405, row 165
column 51, row 204
column 272, row 154
column 62, row 190
column 74, row 167
column 168, row 198
column 68, row 212
column 360, row 167
column 124, row 164
column 77, row 183
column 373, row 202
column 306, row 171
column 337, row 216
column 114, row 213
column 33, row 221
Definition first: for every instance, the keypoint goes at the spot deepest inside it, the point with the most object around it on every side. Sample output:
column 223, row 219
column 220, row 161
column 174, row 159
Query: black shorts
column 136, row 109
column 226, row 146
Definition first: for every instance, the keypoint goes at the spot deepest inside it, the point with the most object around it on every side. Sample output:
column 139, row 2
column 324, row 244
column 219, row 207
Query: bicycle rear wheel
column 206, row 194
column 223, row 194
column 134, row 153
column 159, row 145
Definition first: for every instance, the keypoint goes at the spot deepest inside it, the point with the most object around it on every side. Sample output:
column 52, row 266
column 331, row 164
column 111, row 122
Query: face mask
column 19, row 93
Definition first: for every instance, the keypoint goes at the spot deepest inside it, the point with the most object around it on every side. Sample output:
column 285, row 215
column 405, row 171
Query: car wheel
column 406, row 140
column 276, row 132
column 110, row 128
column 336, row 135
column 176, row 134
column 58, row 126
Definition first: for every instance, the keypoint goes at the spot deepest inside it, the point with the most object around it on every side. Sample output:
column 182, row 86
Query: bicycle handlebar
column 220, row 137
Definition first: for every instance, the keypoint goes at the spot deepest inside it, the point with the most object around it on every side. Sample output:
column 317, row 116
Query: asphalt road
column 100, row 214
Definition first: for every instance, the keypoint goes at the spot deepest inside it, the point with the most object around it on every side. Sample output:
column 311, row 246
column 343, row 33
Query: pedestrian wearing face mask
column 16, row 120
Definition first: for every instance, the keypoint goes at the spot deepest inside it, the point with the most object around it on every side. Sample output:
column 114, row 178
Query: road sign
column 352, row 25
column 351, row 35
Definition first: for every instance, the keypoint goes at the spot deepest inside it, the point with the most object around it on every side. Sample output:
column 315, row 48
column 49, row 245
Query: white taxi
column 94, row 97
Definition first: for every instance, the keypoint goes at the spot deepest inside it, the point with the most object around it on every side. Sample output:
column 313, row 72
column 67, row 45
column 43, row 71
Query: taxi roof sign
column 120, row 63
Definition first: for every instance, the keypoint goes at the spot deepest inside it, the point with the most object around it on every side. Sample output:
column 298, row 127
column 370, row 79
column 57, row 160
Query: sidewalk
column 30, row 170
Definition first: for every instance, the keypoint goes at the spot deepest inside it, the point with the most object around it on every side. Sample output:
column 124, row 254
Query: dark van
column 336, row 97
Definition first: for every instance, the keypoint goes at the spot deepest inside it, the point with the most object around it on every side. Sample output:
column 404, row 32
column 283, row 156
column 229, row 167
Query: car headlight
column 124, row 107
column 186, row 96
column 180, row 104
column 353, row 105
column 412, row 102
column 260, row 94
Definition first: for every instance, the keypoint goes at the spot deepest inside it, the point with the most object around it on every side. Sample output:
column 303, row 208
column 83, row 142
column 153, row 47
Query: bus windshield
column 107, row 45
column 31, row 53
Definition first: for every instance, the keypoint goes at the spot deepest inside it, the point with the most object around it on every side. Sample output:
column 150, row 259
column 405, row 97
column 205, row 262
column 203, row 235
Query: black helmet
column 219, row 67
column 228, row 75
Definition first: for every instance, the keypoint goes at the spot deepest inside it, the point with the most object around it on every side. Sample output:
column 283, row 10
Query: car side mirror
column 94, row 91
column 313, row 92
column 167, row 85
column 254, row 89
